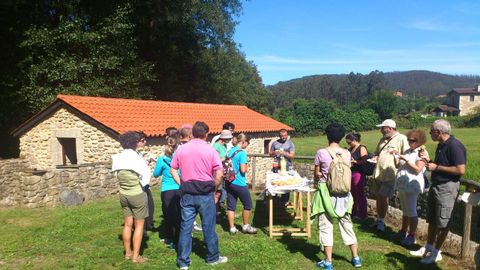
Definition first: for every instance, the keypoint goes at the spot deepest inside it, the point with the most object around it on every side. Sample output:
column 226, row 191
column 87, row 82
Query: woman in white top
column 133, row 175
column 410, row 183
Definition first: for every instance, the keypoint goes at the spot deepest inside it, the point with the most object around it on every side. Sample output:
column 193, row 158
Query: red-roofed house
column 460, row 101
column 78, row 129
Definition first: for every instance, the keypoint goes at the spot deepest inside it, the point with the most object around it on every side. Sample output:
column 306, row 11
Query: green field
column 470, row 137
column 88, row 237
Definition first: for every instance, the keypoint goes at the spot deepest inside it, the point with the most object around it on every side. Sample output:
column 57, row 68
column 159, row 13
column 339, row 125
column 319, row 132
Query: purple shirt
column 323, row 159
column 197, row 160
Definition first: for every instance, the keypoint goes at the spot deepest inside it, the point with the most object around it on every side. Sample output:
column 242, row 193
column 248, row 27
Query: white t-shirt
column 407, row 180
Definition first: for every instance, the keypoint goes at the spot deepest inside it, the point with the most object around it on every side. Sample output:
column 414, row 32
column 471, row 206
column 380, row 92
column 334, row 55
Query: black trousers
column 171, row 213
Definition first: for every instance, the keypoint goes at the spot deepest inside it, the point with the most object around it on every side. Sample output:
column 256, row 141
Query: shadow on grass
column 281, row 215
column 408, row 262
column 300, row 245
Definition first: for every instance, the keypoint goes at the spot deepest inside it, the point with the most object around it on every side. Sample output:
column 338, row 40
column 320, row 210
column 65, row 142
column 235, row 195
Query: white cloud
column 426, row 25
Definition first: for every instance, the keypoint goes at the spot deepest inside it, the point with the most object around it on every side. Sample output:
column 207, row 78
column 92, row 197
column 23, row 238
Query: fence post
column 467, row 222
column 254, row 166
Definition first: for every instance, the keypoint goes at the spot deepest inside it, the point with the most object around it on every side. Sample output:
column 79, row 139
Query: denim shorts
column 234, row 192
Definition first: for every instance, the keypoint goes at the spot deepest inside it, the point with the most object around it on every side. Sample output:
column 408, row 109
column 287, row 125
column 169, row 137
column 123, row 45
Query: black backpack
column 228, row 171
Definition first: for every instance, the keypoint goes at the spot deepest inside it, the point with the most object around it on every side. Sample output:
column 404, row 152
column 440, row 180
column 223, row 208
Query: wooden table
column 297, row 213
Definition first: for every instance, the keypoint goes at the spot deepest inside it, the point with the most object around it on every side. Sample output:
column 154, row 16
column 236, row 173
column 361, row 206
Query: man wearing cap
column 447, row 168
column 221, row 146
column 226, row 126
column 383, row 185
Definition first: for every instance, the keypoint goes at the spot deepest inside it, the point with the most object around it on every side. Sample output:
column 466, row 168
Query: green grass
column 88, row 237
column 308, row 146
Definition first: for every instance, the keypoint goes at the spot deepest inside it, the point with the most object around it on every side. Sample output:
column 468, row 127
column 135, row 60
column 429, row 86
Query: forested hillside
column 350, row 88
column 427, row 83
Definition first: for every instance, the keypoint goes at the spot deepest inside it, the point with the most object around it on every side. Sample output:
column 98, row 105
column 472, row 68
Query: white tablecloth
column 303, row 186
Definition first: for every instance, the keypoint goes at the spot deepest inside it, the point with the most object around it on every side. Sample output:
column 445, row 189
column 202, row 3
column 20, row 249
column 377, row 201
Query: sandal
column 139, row 259
column 128, row 257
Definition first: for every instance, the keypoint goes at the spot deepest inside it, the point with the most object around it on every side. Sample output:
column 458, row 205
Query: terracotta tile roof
column 466, row 91
column 445, row 108
column 153, row 117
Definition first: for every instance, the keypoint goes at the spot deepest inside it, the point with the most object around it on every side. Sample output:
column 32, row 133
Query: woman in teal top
column 170, row 195
column 238, row 189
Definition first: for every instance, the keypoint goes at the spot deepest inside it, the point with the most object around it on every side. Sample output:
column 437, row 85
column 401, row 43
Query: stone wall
column 42, row 148
column 466, row 106
column 22, row 186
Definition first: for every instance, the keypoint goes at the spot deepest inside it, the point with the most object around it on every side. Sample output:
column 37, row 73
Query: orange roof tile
column 153, row 117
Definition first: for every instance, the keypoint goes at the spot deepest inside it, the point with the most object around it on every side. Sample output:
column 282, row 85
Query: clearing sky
column 289, row 39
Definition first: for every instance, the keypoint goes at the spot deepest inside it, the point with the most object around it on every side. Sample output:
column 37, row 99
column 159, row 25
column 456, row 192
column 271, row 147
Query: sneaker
column 380, row 226
column 399, row 236
column 249, row 229
column 422, row 252
column 374, row 224
column 324, row 264
column 357, row 262
column 184, row 268
column 408, row 241
column 233, row 230
column 197, row 228
column 429, row 259
column 221, row 259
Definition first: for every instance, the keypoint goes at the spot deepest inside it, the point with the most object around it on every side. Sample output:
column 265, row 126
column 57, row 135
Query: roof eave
column 50, row 110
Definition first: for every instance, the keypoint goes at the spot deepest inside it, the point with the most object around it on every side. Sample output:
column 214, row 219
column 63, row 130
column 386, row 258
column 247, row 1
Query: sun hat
column 388, row 123
column 226, row 134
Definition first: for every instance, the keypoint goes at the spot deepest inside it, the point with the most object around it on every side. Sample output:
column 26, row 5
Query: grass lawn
column 308, row 146
column 88, row 237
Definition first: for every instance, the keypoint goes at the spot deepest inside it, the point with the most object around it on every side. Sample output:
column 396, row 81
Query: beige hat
column 388, row 123
column 226, row 134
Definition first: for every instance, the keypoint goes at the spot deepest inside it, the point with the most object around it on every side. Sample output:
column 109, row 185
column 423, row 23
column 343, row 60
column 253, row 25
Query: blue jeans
column 190, row 205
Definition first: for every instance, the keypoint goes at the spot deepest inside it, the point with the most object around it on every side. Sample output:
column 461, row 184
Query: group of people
column 192, row 173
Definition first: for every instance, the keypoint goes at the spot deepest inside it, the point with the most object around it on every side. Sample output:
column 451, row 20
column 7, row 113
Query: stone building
column 460, row 101
column 76, row 130
column 68, row 145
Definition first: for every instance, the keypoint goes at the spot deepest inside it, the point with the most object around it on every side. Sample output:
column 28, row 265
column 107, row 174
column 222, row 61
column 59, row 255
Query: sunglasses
column 412, row 140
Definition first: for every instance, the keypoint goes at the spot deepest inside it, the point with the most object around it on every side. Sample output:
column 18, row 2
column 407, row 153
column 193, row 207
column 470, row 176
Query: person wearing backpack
column 333, row 200
column 359, row 158
column 238, row 189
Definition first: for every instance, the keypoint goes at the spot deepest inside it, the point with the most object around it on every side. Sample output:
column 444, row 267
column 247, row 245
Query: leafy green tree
column 77, row 58
column 384, row 103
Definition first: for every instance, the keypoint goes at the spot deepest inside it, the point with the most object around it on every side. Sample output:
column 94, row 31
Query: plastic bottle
column 283, row 166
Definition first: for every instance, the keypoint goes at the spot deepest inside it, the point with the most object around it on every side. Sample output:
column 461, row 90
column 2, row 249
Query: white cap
column 388, row 123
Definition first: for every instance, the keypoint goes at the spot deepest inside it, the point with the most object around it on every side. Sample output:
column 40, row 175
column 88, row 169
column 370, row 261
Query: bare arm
column 218, row 177
column 317, row 175
column 243, row 168
column 175, row 175
column 455, row 170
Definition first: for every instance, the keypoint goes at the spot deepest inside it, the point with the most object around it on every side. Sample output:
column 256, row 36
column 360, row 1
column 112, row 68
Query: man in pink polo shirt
column 202, row 173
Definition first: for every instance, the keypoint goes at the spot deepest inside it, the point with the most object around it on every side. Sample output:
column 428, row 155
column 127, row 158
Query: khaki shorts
column 441, row 201
column 136, row 205
column 385, row 189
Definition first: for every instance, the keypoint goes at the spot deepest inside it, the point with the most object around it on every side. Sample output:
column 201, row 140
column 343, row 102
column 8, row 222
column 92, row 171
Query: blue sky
column 289, row 39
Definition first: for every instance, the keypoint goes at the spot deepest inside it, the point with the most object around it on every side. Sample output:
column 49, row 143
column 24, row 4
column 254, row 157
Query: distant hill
column 345, row 88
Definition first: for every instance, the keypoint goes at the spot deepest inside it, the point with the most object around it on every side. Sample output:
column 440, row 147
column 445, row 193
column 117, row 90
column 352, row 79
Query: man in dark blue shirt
column 447, row 168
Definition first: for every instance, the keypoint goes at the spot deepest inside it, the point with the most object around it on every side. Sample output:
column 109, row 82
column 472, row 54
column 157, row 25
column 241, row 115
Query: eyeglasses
column 412, row 140
column 433, row 130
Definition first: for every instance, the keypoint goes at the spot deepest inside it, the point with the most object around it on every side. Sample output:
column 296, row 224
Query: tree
column 384, row 103
column 78, row 58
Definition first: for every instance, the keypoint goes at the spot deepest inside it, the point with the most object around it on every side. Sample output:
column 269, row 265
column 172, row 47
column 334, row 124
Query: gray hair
column 442, row 125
